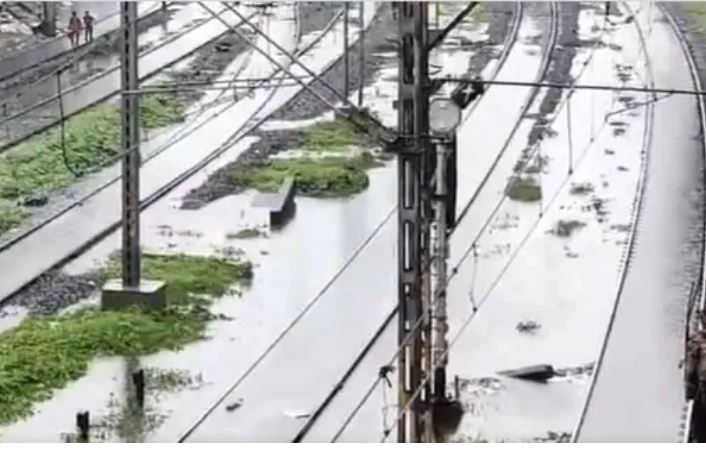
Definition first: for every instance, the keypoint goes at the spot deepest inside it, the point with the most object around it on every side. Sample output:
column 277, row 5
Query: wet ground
column 303, row 106
column 257, row 68
column 555, row 278
column 638, row 393
column 21, row 49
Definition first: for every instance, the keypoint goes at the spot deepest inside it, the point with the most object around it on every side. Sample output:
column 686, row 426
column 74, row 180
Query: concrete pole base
column 149, row 295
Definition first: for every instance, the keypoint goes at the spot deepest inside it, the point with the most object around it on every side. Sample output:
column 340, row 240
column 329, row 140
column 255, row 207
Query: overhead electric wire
column 475, row 307
column 192, row 429
column 92, row 79
column 229, row 143
column 488, row 292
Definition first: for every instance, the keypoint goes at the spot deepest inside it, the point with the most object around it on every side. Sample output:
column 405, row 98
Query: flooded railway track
column 625, row 261
column 387, row 326
column 603, row 416
column 252, row 124
column 685, row 429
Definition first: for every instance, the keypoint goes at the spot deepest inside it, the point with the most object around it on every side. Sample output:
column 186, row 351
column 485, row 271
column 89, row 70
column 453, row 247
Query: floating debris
column 582, row 188
column 566, row 228
column 235, row 405
column 528, row 326
column 540, row 372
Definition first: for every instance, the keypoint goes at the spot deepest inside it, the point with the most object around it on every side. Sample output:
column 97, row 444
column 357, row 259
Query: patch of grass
column 243, row 234
column 567, row 228
column 44, row 353
column 92, row 141
column 580, row 189
column 479, row 13
column 697, row 12
column 330, row 135
column 11, row 215
column 524, row 189
column 189, row 276
column 324, row 177
column 157, row 379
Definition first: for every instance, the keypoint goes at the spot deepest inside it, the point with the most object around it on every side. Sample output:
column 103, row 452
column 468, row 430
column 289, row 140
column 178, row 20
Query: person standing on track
column 74, row 29
column 88, row 27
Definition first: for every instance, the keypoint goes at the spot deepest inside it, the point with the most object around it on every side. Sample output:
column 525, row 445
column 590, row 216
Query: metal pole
column 346, row 9
column 568, row 127
column 413, row 120
column 129, row 144
column 361, row 59
column 49, row 13
column 440, row 254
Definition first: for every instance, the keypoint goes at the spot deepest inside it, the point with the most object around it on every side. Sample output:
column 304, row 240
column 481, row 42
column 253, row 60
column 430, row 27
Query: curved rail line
column 253, row 123
column 555, row 21
column 288, row 328
column 338, row 387
column 701, row 109
column 628, row 250
column 509, row 43
column 4, row 146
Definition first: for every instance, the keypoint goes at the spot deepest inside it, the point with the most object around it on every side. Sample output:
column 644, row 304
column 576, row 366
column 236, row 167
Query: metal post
column 129, row 145
column 413, row 126
column 49, row 20
column 346, row 9
column 361, row 59
column 440, row 255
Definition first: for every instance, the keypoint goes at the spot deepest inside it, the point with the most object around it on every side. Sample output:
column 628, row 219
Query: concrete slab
column 148, row 294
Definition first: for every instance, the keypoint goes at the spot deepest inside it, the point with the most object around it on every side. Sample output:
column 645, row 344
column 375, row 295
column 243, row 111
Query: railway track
column 627, row 252
column 101, row 87
column 685, row 428
column 386, row 327
column 508, row 44
column 252, row 123
column 666, row 410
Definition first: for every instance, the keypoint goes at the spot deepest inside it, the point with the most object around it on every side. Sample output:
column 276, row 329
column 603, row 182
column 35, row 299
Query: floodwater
column 21, row 56
column 167, row 155
column 260, row 309
column 638, row 394
column 559, row 282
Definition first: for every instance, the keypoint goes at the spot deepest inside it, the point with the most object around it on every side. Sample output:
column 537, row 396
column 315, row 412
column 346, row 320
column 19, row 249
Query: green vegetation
column 92, row 142
column 11, row 215
column 697, row 12
column 331, row 135
column 567, row 228
column 323, row 177
column 160, row 380
column 524, row 189
column 187, row 276
column 244, row 233
column 479, row 13
column 44, row 354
